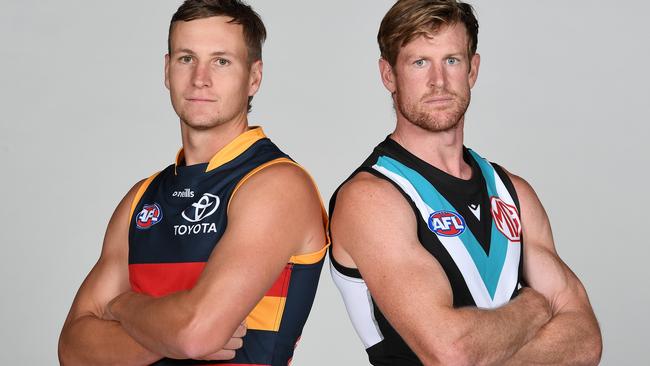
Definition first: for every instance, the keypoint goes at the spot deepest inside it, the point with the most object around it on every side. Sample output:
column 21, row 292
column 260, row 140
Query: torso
column 455, row 224
column 179, row 216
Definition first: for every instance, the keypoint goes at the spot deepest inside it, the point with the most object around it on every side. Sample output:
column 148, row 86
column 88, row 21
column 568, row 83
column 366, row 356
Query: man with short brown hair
column 227, row 241
column 456, row 253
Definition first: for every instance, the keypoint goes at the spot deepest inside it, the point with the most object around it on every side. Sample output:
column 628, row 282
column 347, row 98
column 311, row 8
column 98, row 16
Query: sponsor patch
column 149, row 216
column 206, row 206
column 506, row 219
column 446, row 223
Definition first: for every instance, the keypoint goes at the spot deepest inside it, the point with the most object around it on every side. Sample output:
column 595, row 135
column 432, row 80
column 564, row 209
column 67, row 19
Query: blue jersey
column 177, row 219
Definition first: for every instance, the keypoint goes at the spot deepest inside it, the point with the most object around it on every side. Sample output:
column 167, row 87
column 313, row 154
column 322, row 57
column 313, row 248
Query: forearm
column 570, row 338
column 89, row 340
column 492, row 336
column 158, row 323
column 471, row 336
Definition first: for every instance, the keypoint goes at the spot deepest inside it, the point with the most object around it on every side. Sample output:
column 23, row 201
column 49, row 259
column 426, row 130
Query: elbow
column 200, row 337
column 452, row 353
column 65, row 356
column 593, row 350
column 458, row 354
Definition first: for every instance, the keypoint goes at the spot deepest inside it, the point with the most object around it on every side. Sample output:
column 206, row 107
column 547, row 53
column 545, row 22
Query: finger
column 240, row 331
column 233, row 343
column 224, row 354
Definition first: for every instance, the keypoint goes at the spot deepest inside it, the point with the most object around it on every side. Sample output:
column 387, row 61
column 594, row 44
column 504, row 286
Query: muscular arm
column 274, row 215
column 572, row 336
column 375, row 228
column 87, row 339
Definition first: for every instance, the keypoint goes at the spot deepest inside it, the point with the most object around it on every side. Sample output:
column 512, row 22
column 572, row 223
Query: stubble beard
column 207, row 122
column 201, row 124
column 430, row 118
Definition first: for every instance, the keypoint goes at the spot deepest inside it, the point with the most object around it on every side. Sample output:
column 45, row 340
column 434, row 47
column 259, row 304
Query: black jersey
column 178, row 217
column 471, row 227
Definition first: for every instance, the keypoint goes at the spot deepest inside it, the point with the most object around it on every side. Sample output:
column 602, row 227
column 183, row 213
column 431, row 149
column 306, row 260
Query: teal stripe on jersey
column 488, row 173
column 489, row 265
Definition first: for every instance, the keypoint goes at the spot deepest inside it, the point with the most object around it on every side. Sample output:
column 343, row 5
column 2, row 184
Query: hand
column 108, row 313
column 228, row 351
column 536, row 301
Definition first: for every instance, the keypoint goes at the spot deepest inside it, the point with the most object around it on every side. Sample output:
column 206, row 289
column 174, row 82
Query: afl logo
column 149, row 216
column 446, row 223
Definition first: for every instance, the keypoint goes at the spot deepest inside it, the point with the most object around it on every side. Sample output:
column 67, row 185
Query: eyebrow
column 215, row 53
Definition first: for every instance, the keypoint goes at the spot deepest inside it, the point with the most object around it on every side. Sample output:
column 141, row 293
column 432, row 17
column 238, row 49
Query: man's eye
column 223, row 62
column 420, row 63
column 185, row 59
column 452, row 61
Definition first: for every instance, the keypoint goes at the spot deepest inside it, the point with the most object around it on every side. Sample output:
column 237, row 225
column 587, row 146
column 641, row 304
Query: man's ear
column 167, row 71
column 475, row 64
column 387, row 75
column 255, row 77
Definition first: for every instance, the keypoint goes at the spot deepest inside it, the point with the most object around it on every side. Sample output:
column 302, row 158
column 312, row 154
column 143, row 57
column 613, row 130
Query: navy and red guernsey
column 177, row 219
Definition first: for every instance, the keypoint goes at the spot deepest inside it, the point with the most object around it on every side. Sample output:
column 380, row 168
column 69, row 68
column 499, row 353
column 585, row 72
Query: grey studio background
column 561, row 100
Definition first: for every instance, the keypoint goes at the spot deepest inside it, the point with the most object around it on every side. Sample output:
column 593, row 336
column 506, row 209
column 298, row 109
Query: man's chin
column 201, row 124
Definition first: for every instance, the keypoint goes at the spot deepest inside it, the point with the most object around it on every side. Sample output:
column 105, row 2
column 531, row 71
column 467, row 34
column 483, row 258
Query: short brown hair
column 241, row 13
column 408, row 19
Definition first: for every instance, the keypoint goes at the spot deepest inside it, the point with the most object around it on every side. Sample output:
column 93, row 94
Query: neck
column 443, row 150
column 199, row 146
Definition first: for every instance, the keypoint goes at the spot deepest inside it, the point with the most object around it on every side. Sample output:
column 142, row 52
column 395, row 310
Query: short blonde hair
column 409, row 19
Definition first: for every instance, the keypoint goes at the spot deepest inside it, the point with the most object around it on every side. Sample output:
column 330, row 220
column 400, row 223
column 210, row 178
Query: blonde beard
column 432, row 120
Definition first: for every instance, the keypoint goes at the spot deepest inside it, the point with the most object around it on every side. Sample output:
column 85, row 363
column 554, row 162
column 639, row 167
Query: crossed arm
column 572, row 336
column 274, row 215
column 86, row 338
column 374, row 229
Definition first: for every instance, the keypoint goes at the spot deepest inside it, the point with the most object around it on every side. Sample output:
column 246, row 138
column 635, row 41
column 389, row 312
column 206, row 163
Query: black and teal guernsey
column 471, row 227
column 178, row 217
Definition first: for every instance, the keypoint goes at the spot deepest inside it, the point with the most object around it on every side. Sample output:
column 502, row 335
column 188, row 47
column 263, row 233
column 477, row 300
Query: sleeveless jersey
column 471, row 227
column 177, row 219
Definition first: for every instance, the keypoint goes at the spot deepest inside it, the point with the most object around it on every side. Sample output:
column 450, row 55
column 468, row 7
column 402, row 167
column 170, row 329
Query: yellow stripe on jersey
column 236, row 147
column 310, row 258
column 267, row 314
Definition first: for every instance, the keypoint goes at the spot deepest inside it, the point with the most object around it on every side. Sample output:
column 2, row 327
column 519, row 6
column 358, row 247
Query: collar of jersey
column 229, row 152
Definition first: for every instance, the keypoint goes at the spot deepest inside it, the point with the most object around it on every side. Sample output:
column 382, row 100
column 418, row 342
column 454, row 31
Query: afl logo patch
column 149, row 216
column 446, row 223
column 506, row 219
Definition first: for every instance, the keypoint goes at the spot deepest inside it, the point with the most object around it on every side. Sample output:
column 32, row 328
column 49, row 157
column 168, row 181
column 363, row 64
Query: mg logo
column 205, row 207
column 446, row 223
column 506, row 219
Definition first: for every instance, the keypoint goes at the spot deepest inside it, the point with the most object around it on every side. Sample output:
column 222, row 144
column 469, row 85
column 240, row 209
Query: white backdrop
column 561, row 100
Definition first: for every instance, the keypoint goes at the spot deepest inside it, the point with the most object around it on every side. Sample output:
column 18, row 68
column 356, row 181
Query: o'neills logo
column 205, row 207
column 186, row 193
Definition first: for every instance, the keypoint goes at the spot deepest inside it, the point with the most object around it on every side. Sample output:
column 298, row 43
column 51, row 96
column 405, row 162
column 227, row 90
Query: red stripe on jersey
column 160, row 279
column 281, row 284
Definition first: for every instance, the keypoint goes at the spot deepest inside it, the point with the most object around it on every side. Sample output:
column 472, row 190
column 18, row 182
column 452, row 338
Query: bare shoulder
column 524, row 190
column 365, row 192
column 281, row 194
column 370, row 213
column 116, row 237
column 288, row 183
